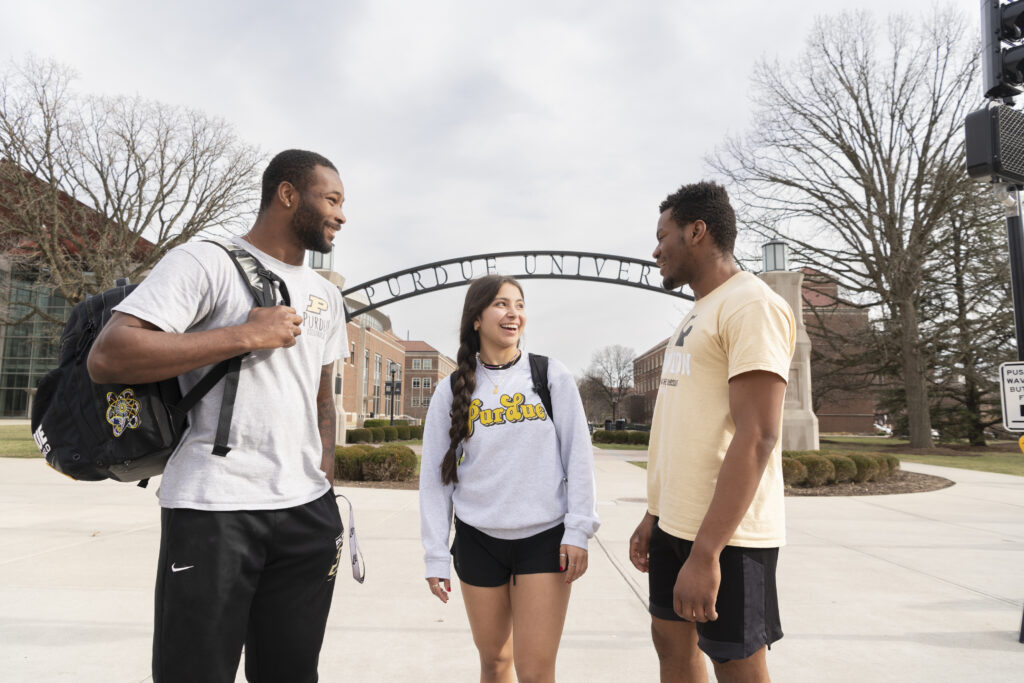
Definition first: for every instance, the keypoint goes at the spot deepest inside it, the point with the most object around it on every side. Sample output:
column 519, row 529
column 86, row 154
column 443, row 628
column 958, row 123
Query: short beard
column 308, row 226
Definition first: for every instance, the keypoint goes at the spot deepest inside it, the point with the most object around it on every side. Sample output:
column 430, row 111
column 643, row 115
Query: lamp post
column 395, row 391
column 773, row 255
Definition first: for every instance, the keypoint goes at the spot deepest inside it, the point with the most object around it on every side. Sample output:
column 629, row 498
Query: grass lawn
column 16, row 442
column 1003, row 457
column 621, row 446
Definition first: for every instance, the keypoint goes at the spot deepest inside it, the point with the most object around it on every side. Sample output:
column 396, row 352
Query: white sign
column 1011, row 382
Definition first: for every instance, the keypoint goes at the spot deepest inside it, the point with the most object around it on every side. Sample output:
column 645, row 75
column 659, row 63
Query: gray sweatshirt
column 522, row 471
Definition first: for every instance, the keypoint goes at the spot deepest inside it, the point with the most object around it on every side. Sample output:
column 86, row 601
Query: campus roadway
column 920, row 587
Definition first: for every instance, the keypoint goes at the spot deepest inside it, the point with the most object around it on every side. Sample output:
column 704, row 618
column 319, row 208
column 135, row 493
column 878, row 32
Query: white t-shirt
column 275, row 442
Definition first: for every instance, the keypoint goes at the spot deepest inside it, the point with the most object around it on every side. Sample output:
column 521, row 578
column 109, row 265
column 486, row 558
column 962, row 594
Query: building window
column 366, row 371
column 428, row 363
column 415, row 382
column 415, row 402
column 30, row 348
column 426, row 382
column 376, row 382
column 415, row 363
column 426, row 401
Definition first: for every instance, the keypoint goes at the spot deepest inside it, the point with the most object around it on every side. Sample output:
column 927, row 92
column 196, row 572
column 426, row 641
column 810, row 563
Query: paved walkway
column 923, row 587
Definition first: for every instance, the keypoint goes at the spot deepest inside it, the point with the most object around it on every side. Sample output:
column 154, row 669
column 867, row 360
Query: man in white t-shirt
column 715, row 519
column 249, row 540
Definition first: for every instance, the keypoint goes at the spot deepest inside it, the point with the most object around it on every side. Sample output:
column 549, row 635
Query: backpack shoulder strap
column 539, row 374
column 260, row 281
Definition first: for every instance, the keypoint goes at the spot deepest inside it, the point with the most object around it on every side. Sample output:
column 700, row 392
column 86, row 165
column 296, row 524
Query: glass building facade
column 30, row 341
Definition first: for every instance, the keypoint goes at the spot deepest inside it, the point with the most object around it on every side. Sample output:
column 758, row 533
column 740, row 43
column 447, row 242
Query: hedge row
column 810, row 468
column 621, row 436
column 393, row 462
column 375, row 422
column 382, row 434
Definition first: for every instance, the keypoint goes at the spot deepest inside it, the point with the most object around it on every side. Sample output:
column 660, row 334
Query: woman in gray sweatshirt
column 520, row 482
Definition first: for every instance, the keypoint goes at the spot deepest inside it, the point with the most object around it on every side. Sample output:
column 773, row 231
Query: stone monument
column 799, row 423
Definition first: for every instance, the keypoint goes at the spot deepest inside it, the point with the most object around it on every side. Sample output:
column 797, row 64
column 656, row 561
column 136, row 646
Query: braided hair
column 481, row 293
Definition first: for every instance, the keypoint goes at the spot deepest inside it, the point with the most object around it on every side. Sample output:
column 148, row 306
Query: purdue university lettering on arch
column 523, row 265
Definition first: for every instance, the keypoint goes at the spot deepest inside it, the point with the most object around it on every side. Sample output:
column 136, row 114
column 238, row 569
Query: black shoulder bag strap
column 539, row 374
column 261, row 283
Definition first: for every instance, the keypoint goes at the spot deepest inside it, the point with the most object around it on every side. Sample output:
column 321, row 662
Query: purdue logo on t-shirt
column 313, row 320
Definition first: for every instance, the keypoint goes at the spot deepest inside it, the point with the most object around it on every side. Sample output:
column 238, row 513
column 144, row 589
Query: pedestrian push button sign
column 1011, row 381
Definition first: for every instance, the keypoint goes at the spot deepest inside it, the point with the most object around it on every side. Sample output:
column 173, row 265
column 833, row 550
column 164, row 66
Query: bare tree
column 610, row 375
column 95, row 188
column 857, row 160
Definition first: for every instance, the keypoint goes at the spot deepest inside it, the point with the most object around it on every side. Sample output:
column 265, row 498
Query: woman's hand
column 572, row 561
column 440, row 587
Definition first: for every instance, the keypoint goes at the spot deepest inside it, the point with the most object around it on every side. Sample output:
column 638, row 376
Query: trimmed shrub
column 867, row 467
column 793, row 472
column 390, row 433
column 894, row 463
column 820, row 470
column 845, row 468
column 378, row 434
column 415, row 431
column 601, row 436
column 641, row 438
column 384, row 422
column 348, row 462
column 358, row 436
column 393, row 462
column 403, row 432
column 883, row 466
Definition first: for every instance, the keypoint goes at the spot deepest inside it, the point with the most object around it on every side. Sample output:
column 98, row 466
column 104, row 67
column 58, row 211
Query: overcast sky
column 462, row 126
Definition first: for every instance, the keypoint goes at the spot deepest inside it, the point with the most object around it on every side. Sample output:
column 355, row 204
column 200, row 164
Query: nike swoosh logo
column 180, row 569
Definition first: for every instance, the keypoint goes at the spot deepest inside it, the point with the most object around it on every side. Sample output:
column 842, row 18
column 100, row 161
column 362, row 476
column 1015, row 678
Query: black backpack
column 92, row 432
column 539, row 375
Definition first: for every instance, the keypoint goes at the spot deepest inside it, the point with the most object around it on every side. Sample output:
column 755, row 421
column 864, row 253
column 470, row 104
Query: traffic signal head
column 1002, row 67
column 995, row 144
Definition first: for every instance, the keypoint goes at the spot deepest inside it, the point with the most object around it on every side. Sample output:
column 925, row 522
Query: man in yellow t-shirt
column 715, row 519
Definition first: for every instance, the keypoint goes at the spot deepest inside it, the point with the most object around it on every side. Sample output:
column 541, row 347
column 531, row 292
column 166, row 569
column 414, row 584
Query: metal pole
column 1010, row 198
column 393, row 392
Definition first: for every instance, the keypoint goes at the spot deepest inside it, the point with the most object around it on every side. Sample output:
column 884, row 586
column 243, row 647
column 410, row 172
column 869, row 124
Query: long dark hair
column 482, row 292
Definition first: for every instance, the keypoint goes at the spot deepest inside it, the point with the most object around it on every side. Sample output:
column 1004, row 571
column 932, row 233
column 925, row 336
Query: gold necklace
column 487, row 373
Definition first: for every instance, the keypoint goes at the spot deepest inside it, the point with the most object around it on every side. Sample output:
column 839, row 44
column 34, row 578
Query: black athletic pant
column 259, row 577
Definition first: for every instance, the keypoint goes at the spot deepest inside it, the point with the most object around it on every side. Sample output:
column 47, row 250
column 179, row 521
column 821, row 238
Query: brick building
column 843, row 402
column 425, row 366
column 374, row 350
column 646, row 377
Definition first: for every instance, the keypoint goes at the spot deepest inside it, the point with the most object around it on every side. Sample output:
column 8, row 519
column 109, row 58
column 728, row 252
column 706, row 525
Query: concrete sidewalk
column 920, row 587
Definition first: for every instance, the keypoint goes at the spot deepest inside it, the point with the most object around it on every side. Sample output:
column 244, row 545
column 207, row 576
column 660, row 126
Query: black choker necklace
column 503, row 366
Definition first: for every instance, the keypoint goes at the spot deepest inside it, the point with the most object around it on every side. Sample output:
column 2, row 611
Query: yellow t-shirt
column 740, row 326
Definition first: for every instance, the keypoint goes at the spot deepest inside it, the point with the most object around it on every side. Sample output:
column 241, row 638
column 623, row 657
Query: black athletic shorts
column 262, row 578
column 747, row 605
column 485, row 561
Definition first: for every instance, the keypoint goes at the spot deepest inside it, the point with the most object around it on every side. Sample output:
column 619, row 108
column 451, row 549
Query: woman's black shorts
column 485, row 561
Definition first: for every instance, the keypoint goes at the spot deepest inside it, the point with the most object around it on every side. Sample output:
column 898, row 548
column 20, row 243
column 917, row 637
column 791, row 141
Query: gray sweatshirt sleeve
column 577, row 454
column 435, row 497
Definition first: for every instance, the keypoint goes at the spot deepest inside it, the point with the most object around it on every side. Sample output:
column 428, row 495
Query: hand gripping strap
column 355, row 554
column 260, row 282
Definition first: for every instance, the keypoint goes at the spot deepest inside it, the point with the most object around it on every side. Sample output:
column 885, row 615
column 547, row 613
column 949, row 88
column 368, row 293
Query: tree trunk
column 918, row 418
